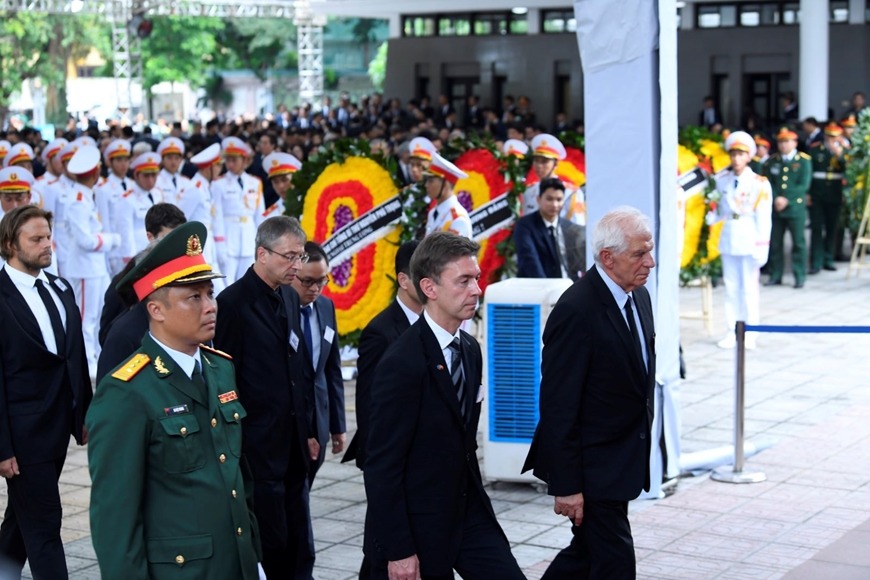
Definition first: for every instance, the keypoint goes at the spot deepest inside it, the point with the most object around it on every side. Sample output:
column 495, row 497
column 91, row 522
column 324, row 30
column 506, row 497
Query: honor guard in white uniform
column 5, row 146
column 448, row 215
column 107, row 194
column 15, row 187
column 547, row 152
column 515, row 148
column 280, row 168
column 53, row 166
column 90, row 244
column 745, row 206
column 238, row 197
column 56, row 198
column 129, row 214
column 421, row 152
column 21, row 155
column 196, row 200
column 170, row 180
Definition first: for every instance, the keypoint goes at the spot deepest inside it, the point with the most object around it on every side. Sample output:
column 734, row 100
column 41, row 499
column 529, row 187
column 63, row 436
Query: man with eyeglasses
column 324, row 385
column 259, row 327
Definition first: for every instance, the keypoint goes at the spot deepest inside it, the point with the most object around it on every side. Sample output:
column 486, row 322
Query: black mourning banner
column 693, row 181
column 364, row 230
column 490, row 217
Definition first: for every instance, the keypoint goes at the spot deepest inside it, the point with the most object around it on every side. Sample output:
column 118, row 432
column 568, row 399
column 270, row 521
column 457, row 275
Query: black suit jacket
column 43, row 396
column 596, row 400
column 251, row 328
column 421, row 464
column 537, row 255
column 376, row 338
column 124, row 337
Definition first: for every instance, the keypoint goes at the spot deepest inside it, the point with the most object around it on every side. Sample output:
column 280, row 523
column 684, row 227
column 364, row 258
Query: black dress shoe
column 830, row 267
column 773, row 283
column 799, row 284
column 815, row 271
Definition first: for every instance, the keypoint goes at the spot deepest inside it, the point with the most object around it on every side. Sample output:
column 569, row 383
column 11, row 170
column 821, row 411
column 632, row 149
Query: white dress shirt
column 443, row 337
column 621, row 297
column 315, row 333
column 410, row 314
column 560, row 243
column 26, row 285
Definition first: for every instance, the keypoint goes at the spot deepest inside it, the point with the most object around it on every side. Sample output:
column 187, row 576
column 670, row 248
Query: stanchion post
column 735, row 473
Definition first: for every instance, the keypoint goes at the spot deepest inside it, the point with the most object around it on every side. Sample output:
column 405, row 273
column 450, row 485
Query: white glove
column 711, row 218
column 260, row 571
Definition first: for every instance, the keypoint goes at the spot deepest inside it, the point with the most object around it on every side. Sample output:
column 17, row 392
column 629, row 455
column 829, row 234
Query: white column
column 814, row 59
column 533, row 18
column 856, row 11
column 395, row 26
column 687, row 21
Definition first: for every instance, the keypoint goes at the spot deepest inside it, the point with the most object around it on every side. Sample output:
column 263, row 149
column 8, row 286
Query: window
column 418, row 26
column 556, row 21
column 791, row 12
column 454, row 25
column 519, row 24
column 718, row 16
column 486, row 24
column 839, row 11
column 766, row 14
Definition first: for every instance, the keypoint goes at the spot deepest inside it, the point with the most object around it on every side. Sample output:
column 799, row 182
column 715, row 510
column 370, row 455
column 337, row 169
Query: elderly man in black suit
column 547, row 245
column 592, row 445
column 256, row 327
column 428, row 513
column 44, row 393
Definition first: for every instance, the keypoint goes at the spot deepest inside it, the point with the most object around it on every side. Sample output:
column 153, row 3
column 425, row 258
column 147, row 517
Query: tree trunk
column 55, row 96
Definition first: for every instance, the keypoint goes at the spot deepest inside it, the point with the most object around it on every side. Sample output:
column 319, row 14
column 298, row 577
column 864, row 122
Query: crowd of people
column 166, row 271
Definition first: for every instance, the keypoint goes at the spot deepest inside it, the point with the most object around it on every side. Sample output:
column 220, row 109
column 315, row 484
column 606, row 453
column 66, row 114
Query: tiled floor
column 807, row 394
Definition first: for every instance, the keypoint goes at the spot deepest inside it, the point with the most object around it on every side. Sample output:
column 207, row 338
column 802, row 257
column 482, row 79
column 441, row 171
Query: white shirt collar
column 443, row 337
column 554, row 223
column 23, row 278
column 790, row 156
column 409, row 314
column 620, row 295
column 183, row 360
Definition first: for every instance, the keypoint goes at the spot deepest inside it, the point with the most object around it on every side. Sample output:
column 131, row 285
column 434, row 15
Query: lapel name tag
column 176, row 410
column 59, row 283
column 225, row 398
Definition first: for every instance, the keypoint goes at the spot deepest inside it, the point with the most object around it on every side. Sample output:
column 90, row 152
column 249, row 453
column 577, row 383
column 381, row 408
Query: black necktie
column 199, row 380
column 309, row 341
column 53, row 315
column 456, row 374
column 635, row 335
column 124, row 184
column 151, row 197
column 242, row 185
column 555, row 242
column 174, row 183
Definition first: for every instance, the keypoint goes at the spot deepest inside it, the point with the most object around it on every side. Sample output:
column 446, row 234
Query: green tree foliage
column 182, row 49
column 259, row 45
column 378, row 67
column 37, row 46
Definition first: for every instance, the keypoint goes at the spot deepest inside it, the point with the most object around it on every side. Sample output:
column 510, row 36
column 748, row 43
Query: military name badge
column 774, row 170
column 225, row 398
column 176, row 410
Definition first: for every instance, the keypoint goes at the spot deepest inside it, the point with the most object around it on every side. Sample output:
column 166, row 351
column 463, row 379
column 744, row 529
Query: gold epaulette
column 803, row 155
column 132, row 367
column 215, row 351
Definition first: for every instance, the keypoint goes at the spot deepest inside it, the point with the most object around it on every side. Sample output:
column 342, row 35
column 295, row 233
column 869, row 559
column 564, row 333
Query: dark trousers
column 484, row 553
column 824, row 217
column 31, row 525
column 284, row 518
column 602, row 547
column 795, row 224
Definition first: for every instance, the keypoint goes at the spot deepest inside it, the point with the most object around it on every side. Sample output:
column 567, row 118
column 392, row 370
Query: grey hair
column 614, row 229
column 277, row 227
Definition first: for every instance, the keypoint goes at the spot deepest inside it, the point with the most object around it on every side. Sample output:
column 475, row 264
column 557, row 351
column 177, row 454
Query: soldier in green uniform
column 826, row 197
column 789, row 172
column 762, row 148
column 171, row 492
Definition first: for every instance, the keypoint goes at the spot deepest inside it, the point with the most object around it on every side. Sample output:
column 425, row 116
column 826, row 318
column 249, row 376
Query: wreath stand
column 859, row 251
column 706, row 314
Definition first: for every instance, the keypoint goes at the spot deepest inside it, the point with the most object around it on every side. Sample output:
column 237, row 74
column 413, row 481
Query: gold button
column 235, row 494
column 179, row 559
column 183, row 431
column 236, row 416
column 785, row 178
column 784, row 186
column 239, row 531
column 213, row 422
column 785, row 169
column 222, row 458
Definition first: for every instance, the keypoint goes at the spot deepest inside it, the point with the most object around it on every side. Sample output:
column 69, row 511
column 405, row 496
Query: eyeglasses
column 301, row 258
column 309, row 282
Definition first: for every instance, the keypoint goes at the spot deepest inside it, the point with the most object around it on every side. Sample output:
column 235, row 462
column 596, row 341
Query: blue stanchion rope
column 809, row 329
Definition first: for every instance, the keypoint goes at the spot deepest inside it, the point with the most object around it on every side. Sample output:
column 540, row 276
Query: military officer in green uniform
column 826, row 197
column 170, row 495
column 762, row 154
column 789, row 172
